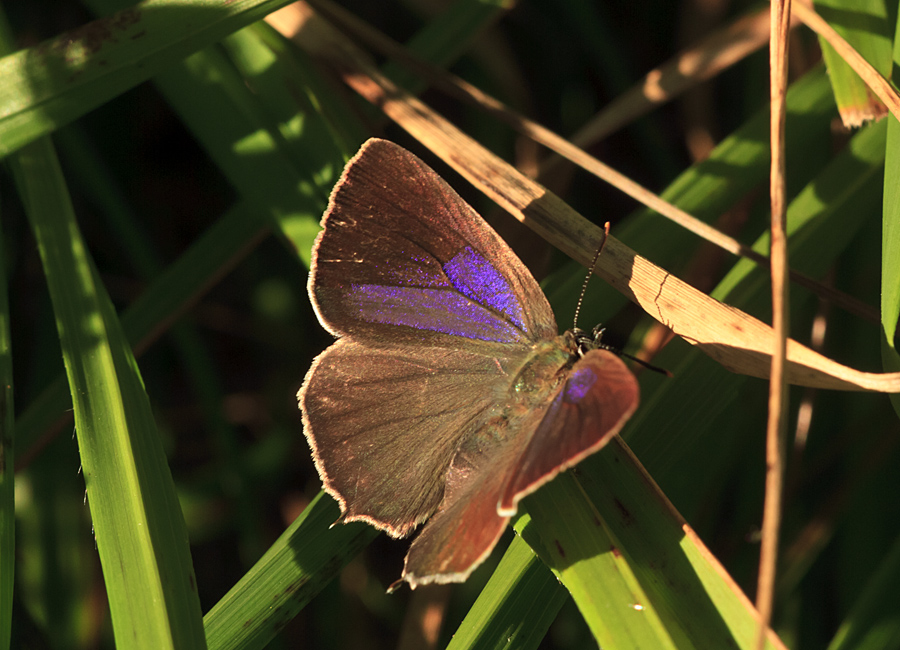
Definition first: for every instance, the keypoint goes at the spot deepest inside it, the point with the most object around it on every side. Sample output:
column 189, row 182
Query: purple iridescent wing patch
column 473, row 276
column 479, row 305
column 432, row 310
column 449, row 395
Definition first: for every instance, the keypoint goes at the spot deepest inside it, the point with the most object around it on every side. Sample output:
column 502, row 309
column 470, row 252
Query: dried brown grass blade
column 738, row 341
column 718, row 51
column 686, row 69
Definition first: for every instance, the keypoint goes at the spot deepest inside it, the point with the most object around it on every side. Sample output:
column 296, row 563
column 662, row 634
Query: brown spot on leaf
column 81, row 42
column 624, row 512
column 560, row 549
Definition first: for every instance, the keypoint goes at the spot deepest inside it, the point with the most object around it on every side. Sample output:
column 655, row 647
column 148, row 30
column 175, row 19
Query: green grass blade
column 516, row 607
column 865, row 25
column 7, row 463
column 278, row 164
column 890, row 240
column 681, row 579
column 681, row 594
column 447, row 37
column 97, row 179
column 577, row 544
column 216, row 251
column 812, row 214
column 294, row 569
column 873, row 623
column 7, row 422
column 51, row 84
column 139, row 528
column 269, row 175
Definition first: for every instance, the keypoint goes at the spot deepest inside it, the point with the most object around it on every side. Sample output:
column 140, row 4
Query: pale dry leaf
column 738, row 341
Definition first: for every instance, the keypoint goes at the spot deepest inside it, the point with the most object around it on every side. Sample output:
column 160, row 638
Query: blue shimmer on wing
column 434, row 310
column 579, row 383
column 475, row 277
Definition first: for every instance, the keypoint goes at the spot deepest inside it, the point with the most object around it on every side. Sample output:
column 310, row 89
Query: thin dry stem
column 777, row 420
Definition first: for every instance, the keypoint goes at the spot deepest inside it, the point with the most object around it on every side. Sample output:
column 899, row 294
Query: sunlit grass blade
column 517, row 605
column 139, row 528
column 279, row 148
column 576, row 542
column 273, row 155
column 51, row 84
column 686, row 584
column 89, row 171
column 676, row 590
column 7, row 421
column 814, row 214
column 222, row 246
column 304, row 559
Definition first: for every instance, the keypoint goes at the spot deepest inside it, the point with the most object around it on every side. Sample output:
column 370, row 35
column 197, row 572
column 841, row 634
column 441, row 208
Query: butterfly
column 449, row 394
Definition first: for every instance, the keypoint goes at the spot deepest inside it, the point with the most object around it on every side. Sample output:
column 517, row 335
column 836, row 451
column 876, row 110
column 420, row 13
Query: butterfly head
column 581, row 342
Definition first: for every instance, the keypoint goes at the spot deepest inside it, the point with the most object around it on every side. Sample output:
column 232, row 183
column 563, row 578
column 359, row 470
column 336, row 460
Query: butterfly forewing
column 402, row 257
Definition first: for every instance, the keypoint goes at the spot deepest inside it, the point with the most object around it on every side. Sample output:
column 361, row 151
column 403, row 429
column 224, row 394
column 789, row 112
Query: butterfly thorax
column 542, row 373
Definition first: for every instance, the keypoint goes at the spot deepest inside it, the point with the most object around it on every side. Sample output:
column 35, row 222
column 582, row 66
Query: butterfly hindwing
column 598, row 397
column 384, row 426
column 465, row 529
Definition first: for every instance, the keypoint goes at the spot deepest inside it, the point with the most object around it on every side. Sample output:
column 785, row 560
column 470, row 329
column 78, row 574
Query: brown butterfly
column 449, row 394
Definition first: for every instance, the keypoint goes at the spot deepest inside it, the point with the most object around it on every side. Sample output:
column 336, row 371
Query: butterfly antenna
column 648, row 366
column 589, row 274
